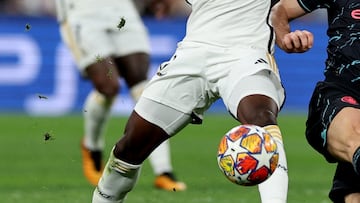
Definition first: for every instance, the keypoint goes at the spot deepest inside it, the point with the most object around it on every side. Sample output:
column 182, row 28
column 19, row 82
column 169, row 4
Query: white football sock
column 137, row 90
column 96, row 113
column 116, row 181
column 274, row 190
column 160, row 158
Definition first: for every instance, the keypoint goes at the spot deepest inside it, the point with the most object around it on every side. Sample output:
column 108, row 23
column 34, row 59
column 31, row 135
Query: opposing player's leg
column 144, row 131
column 332, row 128
column 96, row 112
column 343, row 142
column 133, row 69
column 352, row 198
column 347, row 146
column 346, row 184
column 260, row 105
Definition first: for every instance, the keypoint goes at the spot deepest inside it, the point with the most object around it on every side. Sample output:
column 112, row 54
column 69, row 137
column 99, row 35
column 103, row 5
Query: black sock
column 356, row 160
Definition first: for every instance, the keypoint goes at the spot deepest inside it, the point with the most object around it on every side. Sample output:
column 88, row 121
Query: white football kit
column 102, row 35
column 226, row 53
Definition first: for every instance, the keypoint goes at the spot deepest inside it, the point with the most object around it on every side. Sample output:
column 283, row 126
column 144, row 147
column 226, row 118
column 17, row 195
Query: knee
column 259, row 110
column 343, row 135
column 260, row 117
column 109, row 90
column 352, row 198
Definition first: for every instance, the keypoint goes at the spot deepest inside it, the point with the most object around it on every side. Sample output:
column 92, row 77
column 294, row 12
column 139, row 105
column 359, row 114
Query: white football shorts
column 197, row 75
column 90, row 36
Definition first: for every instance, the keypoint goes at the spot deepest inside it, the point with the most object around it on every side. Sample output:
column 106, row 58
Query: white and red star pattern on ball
column 247, row 155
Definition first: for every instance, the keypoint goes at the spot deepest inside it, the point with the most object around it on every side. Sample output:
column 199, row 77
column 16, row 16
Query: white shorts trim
column 263, row 83
column 167, row 118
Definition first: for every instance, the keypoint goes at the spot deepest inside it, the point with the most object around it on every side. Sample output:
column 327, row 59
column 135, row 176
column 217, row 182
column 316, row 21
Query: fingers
column 297, row 41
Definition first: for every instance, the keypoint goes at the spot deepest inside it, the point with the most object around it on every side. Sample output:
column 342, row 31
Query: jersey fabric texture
column 228, row 27
column 221, row 56
column 199, row 74
column 342, row 71
column 341, row 87
column 343, row 62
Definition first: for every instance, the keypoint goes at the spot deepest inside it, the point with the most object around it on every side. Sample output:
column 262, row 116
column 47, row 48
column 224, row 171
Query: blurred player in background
column 227, row 53
column 333, row 124
column 108, row 40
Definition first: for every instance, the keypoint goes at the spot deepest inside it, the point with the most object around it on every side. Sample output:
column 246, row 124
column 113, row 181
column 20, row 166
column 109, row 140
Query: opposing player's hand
column 298, row 41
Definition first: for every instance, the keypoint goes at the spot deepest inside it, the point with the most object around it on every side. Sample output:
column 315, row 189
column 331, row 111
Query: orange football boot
column 167, row 181
column 92, row 164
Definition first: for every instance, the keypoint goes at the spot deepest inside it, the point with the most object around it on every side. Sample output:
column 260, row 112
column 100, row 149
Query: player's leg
column 352, row 198
column 262, row 110
column 346, row 184
column 331, row 130
column 260, row 105
column 134, row 68
column 343, row 142
column 160, row 113
column 145, row 130
column 104, row 78
column 343, row 136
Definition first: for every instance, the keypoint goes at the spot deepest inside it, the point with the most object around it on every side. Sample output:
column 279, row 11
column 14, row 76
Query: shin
column 117, row 180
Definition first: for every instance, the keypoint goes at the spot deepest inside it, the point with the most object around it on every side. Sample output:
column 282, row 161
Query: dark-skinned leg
column 258, row 110
column 134, row 69
column 96, row 112
column 140, row 139
column 104, row 76
column 263, row 111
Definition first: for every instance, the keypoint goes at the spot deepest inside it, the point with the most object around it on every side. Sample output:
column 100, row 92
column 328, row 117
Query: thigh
column 104, row 77
column 133, row 67
column 331, row 107
column 343, row 135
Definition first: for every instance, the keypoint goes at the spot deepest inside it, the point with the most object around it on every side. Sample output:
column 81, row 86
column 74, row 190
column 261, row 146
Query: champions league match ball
column 247, row 155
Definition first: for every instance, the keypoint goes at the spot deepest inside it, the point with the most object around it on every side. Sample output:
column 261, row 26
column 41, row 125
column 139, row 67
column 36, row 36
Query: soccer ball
column 247, row 155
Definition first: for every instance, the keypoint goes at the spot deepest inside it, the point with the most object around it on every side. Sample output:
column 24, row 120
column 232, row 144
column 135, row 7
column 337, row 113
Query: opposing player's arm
column 297, row 41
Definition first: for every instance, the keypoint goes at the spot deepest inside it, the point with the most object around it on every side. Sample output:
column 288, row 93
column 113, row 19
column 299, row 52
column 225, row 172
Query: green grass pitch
column 35, row 170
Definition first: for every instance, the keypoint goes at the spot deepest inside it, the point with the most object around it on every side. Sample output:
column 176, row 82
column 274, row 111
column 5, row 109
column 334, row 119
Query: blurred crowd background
column 47, row 7
column 28, row 7
column 34, row 61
